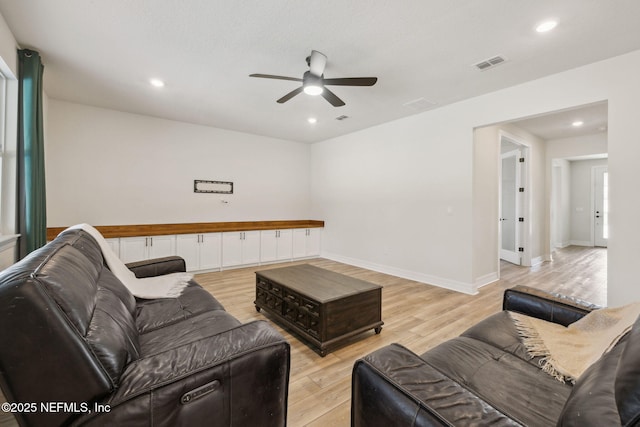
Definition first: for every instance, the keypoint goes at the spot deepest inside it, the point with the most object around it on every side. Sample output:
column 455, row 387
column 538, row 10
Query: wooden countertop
column 112, row 231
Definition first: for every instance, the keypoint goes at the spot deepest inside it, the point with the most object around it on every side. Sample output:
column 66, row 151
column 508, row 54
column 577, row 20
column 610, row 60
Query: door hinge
column 521, row 219
column 520, row 249
column 521, row 189
column 521, row 160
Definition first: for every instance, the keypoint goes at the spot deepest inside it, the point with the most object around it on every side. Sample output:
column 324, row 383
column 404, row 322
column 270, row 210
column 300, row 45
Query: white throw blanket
column 568, row 351
column 165, row 286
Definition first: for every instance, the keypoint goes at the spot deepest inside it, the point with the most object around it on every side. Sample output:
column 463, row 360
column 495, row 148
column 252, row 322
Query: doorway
column 510, row 206
column 513, row 200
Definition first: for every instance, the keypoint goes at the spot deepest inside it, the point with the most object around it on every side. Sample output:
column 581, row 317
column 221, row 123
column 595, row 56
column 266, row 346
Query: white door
column 268, row 245
column 162, row 246
column 285, row 245
column 250, row 247
column 510, row 207
column 231, row 249
column 601, row 206
column 210, row 244
column 187, row 248
column 133, row 249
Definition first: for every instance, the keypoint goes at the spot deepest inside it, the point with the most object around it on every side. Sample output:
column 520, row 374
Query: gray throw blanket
column 568, row 351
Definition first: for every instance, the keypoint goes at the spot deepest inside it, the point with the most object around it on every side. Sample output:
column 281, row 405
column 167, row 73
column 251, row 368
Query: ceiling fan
column 313, row 81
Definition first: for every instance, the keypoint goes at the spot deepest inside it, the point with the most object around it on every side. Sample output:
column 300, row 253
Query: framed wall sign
column 220, row 187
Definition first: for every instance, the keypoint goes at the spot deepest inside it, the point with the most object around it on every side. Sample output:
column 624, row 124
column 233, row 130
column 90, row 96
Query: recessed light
column 577, row 123
column 546, row 26
column 312, row 120
column 156, row 83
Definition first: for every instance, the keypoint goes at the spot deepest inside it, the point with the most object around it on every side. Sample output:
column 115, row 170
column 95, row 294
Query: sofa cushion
column 87, row 245
column 627, row 387
column 158, row 313
column 500, row 331
column 493, row 368
column 83, row 289
column 592, row 400
column 193, row 329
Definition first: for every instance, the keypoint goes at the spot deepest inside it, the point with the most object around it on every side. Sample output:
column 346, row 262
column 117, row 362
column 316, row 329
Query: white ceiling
column 103, row 53
column 559, row 124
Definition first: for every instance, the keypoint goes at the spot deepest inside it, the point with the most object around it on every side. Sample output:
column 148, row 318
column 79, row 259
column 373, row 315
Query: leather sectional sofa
column 485, row 377
column 76, row 348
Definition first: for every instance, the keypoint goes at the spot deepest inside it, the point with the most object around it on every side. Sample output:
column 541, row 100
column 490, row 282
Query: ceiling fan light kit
column 314, row 83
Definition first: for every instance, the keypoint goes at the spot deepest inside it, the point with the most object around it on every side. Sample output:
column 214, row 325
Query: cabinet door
column 114, row 244
column 300, row 242
column 210, row 246
column 187, row 247
column 231, row 249
column 268, row 245
column 161, row 246
column 251, row 247
column 133, row 249
column 306, row 242
column 285, row 245
column 314, row 241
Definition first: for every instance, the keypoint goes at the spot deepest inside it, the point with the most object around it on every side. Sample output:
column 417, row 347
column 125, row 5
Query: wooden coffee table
column 322, row 307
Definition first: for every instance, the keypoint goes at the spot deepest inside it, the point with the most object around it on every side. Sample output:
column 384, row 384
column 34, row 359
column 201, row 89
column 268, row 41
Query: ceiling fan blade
column 332, row 98
column 317, row 62
column 290, row 95
column 269, row 76
column 352, row 81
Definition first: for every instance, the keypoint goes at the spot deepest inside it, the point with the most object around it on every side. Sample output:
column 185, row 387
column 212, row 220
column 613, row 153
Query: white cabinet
column 306, row 242
column 200, row 251
column 276, row 245
column 211, row 251
column 240, row 247
column 141, row 248
column 114, row 244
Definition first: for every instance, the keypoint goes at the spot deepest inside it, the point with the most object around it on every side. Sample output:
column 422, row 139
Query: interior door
column 601, row 206
column 510, row 207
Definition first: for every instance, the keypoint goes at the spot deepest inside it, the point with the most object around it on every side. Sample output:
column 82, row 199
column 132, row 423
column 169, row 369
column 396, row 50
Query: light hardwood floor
column 416, row 315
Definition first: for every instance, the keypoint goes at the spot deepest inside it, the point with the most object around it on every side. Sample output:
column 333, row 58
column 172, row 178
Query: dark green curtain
column 32, row 209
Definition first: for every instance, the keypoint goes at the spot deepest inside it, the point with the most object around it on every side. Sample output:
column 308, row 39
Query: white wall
column 560, row 199
column 8, row 47
column 392, row 201
column 486, row 166
column 107, row 167
column 578, row 146
column 400, row 196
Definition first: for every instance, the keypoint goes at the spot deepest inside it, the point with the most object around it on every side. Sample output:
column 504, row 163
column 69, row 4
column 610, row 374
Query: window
column 3, row 133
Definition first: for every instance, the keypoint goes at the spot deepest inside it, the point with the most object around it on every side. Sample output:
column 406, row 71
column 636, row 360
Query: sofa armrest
column 548, row 306
column 157, row 266
column 237, row 377
column 394, row 386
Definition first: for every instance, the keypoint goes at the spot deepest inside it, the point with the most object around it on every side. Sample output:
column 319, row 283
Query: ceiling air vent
column 342, row 117
column 419, row 104
column 490, row 63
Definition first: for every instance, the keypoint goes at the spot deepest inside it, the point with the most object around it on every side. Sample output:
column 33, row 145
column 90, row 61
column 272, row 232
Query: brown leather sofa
column 485, row 378
column 76, row 348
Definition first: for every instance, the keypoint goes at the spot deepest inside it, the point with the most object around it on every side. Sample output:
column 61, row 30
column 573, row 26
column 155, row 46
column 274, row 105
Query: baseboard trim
column 487, row 279
column 465, row 288
column 539, row 260
column 581, row 243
